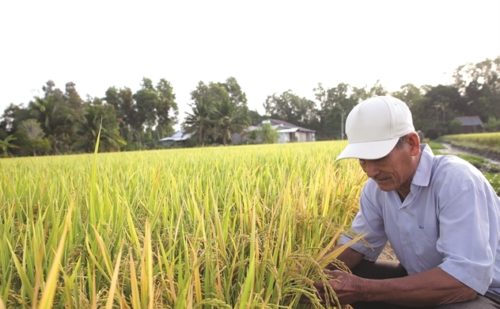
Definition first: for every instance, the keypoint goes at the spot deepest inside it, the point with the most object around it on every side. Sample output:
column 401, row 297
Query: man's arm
column 431, row 287
column 351, row 258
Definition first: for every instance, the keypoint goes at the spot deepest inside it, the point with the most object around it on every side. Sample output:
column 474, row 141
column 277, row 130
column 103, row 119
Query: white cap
column 374, row 126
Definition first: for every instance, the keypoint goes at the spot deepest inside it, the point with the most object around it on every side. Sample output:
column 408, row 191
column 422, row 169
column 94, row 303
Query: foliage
column 29, row 133
column 479, row 84
column 268, row 134
column 494, row 179
column 291, row 108
column 61, row 122
column 218, row 110
column 433, row 112
column 153, row 107
column 493, row 124
column 436, row 146
column 99, row 117
column 6, row 144
column 335, row 104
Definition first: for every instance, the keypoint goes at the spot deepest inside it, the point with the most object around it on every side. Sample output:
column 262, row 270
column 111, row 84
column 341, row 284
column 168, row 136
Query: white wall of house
column 287, row 137
column 284, row 137
column 303, row 136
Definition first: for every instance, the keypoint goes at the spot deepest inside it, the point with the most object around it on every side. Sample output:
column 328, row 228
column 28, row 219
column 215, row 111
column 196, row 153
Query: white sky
column 268, row 46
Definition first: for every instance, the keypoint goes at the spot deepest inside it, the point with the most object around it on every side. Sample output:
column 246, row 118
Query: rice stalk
column 51, row 283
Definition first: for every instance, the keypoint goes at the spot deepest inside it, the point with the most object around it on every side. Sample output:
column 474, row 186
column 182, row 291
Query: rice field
column 485, row 142
column 223, row 227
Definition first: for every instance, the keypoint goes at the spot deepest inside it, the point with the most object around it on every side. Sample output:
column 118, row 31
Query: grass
column 479, row 142
column 249, row 226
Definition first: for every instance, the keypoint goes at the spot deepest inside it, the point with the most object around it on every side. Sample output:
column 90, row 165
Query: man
column 439, row 213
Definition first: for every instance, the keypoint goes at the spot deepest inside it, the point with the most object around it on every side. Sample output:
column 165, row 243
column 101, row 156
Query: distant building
column 287, row 132
column 179, row 138
column 470, row 124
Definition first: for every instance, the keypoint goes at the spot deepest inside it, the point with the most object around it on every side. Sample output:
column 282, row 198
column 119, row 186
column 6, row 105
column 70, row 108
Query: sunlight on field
column 481, row 141
column 229, row 227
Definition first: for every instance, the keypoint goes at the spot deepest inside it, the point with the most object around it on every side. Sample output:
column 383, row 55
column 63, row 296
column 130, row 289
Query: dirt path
column 450, row 149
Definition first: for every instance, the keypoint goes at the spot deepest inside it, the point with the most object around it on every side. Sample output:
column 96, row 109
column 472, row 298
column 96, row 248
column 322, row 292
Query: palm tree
column 199, row 121
column 231, row 118
column 6, row 143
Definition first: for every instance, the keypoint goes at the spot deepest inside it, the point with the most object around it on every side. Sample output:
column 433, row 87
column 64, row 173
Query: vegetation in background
column 61, row 122
column 218, row 111
column 435, row 146
column 486, row 143
column 240, row 227
column 265, row 135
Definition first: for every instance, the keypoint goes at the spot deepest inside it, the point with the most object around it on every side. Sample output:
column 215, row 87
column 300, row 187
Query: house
column 179, row 138
column 287, row 132
column 470, row 124
column 291, row 133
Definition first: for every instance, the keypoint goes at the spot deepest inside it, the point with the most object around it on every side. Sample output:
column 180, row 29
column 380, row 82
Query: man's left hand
column 347, row 287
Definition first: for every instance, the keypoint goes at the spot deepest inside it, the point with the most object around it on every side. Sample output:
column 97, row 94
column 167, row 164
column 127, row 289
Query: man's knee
column 379, row 270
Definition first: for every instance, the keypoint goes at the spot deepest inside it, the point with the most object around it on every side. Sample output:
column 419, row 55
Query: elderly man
column 439, row 213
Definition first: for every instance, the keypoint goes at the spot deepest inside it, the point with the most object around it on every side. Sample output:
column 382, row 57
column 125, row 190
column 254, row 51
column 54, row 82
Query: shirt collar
column 422, row 176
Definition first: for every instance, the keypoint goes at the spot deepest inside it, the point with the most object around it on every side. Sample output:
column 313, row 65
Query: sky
column 269, row 46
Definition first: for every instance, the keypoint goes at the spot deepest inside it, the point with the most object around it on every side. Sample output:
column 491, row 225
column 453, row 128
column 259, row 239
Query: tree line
column 60, row 121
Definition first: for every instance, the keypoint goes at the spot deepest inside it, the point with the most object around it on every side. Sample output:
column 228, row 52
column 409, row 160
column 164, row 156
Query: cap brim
column 368, row 150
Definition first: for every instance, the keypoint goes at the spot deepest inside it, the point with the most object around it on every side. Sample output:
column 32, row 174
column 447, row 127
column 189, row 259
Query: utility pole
column 341, row 124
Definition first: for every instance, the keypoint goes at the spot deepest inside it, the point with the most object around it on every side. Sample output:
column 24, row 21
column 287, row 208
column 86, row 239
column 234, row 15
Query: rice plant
column 223, row 227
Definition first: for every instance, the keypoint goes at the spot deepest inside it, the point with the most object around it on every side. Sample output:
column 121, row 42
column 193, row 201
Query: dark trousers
column 386, row 270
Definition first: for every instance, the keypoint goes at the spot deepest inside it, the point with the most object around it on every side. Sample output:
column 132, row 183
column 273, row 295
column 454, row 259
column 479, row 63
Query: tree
column 255, row 117
column 335, row 104
column 360, row 94
column 147, row 115
column 479, row 84
column 291, row 108
column 30, row 138
column 154, row 106
column 435, row 111
column 218, row 110
column 268, row 134
column 12, row 117
column 166, row 108
column 200, row 120
column 231, row 111
column 6, row 144
column 410, row 94
column 123, row 102
column 99, row 117
column 58, row 114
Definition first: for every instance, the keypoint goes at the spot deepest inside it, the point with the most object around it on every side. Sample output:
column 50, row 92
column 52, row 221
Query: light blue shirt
column 450, row 220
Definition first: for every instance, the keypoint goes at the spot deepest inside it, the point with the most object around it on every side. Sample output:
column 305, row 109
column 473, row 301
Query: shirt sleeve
column 368, row 223
column 468, row 231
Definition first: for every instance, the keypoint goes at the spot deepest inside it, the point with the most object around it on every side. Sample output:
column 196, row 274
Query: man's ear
column 414, row 141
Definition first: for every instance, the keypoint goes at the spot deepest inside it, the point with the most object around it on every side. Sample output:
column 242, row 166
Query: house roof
column 177, row 137
column 285, row 127
column 469, row 121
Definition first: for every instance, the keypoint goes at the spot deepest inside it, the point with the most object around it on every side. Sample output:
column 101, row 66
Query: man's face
column 392, row 172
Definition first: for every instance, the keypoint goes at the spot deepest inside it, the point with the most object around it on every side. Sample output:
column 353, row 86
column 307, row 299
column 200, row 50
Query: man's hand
column 429, row 288
column 348, row 287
